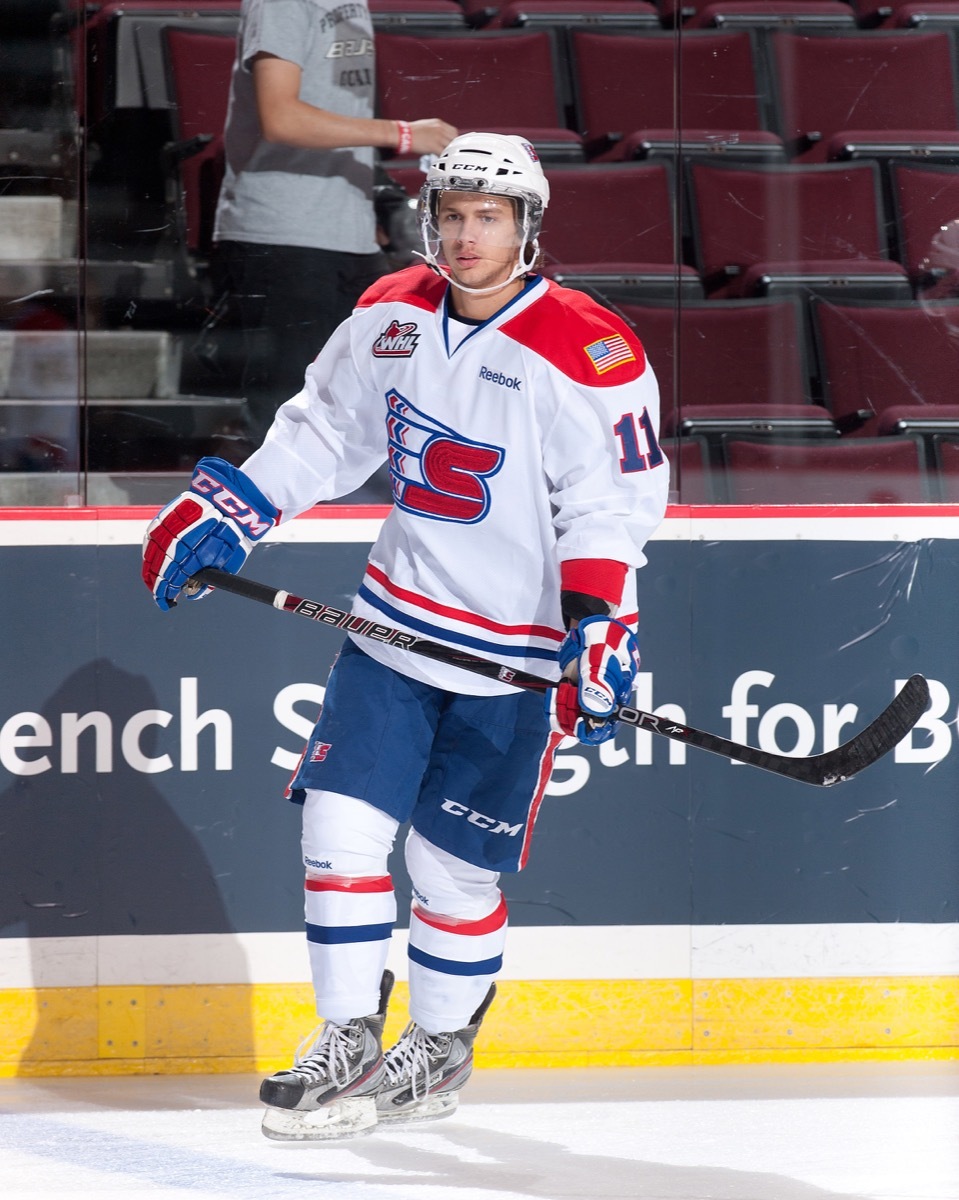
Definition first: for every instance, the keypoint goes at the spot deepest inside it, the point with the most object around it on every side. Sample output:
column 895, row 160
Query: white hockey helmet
column 493, row 164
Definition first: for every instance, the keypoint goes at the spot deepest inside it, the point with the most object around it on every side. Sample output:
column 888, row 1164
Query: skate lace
column 413, row 1055
column 326, row 1052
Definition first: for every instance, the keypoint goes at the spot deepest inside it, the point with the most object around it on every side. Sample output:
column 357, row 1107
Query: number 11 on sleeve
column 632, row 434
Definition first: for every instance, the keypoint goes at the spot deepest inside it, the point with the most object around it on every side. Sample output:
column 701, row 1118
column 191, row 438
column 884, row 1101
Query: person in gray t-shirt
column 295, row 235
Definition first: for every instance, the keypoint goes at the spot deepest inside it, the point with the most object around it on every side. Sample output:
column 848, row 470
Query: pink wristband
column 404, row 142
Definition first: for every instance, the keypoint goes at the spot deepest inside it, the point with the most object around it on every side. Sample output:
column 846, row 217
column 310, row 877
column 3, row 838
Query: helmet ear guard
column 487, row 164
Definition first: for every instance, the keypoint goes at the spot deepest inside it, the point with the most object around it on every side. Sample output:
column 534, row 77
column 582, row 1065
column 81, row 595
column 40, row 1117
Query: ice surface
column 99, row 1138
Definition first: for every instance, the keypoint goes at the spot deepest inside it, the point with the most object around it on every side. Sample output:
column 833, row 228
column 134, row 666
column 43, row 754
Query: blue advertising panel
column 144, row 756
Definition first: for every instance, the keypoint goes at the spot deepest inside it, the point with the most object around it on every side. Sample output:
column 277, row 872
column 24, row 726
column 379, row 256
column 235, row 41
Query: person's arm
column 608, row 498
column 285, row 118
column 330, row 437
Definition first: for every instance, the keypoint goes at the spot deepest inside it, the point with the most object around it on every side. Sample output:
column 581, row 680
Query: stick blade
column 876, row 740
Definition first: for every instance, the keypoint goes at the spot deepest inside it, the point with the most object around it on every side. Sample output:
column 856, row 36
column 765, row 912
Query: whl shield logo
column 397, row 341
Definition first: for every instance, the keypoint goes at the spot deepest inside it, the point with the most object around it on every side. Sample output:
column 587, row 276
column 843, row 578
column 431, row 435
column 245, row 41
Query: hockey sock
column 349, row 901
column 457, row 934
column 349, row 921
column 452, row 963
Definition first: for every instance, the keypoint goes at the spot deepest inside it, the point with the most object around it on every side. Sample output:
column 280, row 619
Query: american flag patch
column 609, row 352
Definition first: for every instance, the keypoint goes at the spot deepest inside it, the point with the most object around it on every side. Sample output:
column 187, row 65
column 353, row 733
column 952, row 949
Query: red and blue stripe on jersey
column 456, row 625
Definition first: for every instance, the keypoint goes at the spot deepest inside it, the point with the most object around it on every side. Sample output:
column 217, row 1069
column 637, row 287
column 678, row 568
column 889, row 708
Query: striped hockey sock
column 349, row 921
column 452, row 963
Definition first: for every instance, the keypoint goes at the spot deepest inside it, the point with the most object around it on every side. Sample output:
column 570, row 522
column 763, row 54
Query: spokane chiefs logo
column 396, row 341
column 434, row 471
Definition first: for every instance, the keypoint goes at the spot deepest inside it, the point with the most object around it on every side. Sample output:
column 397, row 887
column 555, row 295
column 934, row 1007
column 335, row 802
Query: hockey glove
column 214, row 524
column 599, row 659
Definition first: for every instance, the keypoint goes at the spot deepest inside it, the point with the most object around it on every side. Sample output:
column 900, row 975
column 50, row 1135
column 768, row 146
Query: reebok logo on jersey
column 396, row 341
column 507, row 381
column 320, row 751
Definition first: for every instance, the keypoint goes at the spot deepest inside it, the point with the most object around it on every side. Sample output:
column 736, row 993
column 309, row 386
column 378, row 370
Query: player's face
column 479, row 237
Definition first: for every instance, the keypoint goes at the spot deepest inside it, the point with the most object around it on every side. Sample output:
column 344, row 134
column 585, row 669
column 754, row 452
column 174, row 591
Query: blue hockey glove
column 214, row 524
column 599, row 658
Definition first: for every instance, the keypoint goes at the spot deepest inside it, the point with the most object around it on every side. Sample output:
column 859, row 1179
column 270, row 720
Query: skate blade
column 353, row 1117
column 433, row 1108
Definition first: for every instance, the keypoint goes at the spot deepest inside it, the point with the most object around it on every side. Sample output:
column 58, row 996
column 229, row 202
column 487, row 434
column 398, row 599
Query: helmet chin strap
column 518, row 270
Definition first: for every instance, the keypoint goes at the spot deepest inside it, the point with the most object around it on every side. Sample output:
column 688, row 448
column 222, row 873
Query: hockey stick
column 820, row 770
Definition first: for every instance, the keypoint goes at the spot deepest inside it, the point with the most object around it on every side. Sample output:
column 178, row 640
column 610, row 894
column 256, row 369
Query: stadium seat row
column 763, row 470
column 858, row 370
column 867, row 14
column 610, row 94
column 595, row 91
column 822, row 205
column 750, row 229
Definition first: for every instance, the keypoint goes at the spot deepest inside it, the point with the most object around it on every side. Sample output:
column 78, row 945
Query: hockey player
column 519, row 422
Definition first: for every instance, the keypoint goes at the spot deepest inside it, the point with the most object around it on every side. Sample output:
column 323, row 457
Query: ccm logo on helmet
column 480, row 819
column 231, row 504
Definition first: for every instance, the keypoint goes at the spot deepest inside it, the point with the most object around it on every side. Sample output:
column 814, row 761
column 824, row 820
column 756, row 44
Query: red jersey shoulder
column 417, row 285
column 585, row 341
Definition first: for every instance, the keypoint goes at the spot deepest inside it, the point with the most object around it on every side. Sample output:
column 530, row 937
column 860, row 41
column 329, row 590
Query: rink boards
column 677, row 907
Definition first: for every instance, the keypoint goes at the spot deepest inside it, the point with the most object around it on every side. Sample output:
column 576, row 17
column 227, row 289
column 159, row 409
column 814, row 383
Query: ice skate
column 330, row 1091
column 425, row 1071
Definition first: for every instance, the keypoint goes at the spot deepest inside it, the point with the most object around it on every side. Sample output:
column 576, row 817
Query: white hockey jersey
column 529, row 442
